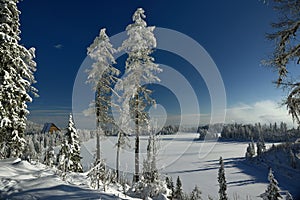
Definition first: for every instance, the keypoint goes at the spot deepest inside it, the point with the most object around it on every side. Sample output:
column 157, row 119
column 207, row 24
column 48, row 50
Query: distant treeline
column 269, row 132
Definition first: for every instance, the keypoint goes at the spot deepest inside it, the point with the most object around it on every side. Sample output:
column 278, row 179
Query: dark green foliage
column 222, row 181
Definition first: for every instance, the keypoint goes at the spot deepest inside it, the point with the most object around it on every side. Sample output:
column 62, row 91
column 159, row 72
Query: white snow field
column 196, row 162
column 24, row 181
column 178, row 156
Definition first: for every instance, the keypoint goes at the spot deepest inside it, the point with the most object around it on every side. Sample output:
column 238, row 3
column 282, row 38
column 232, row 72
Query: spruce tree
column 16, row 79
column 170, row 186
column 178, row 189
column 195, row 194
column 69, row 155
column 140, row 69
column 288, row 196
column 222, row 181
column 74, row 147
column 102, row 76
column 272, row 192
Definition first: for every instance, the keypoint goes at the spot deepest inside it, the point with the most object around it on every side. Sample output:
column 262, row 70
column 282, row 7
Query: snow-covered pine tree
column 16, row 78
column 222, row 181
column 170, row 186
column 272, row 192
column 150, row 184
column 288, row 196
column 74, row 147
column 140, row 69
column 250, row 150
column 97, row 174
column 292, row 159
column 69, row 155
column 49, row 156
column 178, row 189
column 195, row 194
column 122, row 142
column 103, row 76
column 63, row 157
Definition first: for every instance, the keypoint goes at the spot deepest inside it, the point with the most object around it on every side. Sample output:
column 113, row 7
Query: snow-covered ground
column 24, row 181
column 196, row 162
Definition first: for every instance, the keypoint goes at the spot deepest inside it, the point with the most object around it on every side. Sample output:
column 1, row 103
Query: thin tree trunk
column 118, row 161
column 137, row 141
column 98, row 146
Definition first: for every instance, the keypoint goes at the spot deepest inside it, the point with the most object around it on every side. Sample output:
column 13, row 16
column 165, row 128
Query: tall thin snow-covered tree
column 102, row 76
column 150, row 184
column 69, row 155
column 222, row 181
column 140, row 69
column 286, row 53
column 273, row 191
column 17, row 69
column 74, row 145
column 178, row 189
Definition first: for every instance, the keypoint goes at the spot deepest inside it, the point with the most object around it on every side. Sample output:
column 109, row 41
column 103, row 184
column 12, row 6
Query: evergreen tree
column 74, row 145
column 150, row 185
column 69, row 155
column 102, row 76
column 97, row 174
column 272, row 192
column 195, row 194
column 178, row 190
column 222, row 181
column 292, row 159
column 139, row 70
column 288, row 196
column 49, row 157
column 16, row 77
column 122, row 142
column 63, row 157
column 170, row 186
column 250, row 153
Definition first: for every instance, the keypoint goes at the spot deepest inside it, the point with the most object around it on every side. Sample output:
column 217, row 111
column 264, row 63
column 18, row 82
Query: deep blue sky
column 231, row 31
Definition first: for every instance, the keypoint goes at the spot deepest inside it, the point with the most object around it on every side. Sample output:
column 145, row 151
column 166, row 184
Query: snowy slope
column 22, row 180
column 196, row 163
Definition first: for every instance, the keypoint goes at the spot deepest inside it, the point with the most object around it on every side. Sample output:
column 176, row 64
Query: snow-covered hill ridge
column 22, row 180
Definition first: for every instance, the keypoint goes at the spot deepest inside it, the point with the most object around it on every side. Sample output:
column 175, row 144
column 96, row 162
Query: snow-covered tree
column 150, row 184
column 272, row 192
column 170, row 186
column 122, row 142
column 49, row 156
column 140, row 69
column 292, row 159
column 286, row 53
column 16, row 78
column 288, row 196
column 97, row 174
column 102, row 76
column 195, row 194
column 63, row 157
column 69, row 155
column 222, row 181
column 74, row 145
column 250, row 150
column 178, row 189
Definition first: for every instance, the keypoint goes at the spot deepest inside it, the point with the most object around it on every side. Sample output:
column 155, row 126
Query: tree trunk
column 137, row 141
column 98, row 146
column 118, row 161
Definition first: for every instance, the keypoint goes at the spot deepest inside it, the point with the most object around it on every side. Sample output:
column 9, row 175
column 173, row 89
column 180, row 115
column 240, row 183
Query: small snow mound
column 16, row 161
